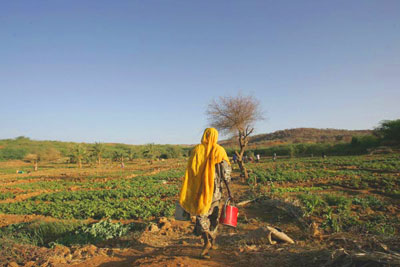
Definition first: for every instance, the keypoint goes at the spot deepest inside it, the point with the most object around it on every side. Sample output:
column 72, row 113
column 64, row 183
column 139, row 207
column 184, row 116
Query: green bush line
column 138, row 208
column 60, row 184
column 109, row 194
column 18, row 148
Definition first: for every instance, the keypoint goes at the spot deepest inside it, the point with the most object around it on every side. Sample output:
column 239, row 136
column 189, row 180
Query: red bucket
column 229, row 215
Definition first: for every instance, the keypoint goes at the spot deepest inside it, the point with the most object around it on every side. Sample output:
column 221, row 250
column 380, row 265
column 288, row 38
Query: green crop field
column 61, row 204
column 348, row 193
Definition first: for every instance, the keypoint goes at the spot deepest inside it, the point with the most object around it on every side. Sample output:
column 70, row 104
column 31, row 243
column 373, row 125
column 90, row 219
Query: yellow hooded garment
column 198, row 184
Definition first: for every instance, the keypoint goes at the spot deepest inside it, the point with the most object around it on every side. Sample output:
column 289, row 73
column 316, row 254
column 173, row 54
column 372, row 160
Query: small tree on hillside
column 34, row 158
column 131, row 154
column 151, row 152
column 235, row 116
column 98, row 151
column 79, row 154
column 50, row 154
column 389, row 131
column 120, row 156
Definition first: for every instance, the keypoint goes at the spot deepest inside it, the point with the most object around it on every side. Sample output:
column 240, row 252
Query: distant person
column 201, row 191
column 274, row 157
column 258, row 157
column 234, row 158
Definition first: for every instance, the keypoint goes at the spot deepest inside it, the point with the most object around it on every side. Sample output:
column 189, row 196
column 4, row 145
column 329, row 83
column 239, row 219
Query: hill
column 300, row 135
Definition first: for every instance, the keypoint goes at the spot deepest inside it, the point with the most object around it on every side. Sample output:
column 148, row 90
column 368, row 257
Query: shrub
column 311, row 203
column 389, row 131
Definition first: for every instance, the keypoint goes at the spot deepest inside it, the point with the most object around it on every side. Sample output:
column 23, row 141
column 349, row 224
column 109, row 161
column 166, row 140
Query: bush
column 172, row 152
column 389, row 132
column 38, row 233
column 94, row 233
column 363, row 143
column 12, row 153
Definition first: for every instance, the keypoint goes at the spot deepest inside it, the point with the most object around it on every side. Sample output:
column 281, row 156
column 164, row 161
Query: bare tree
column 235, row 116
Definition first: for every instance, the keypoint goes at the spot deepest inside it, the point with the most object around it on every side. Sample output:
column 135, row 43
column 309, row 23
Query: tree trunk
column 243, row 170
column 243, row 140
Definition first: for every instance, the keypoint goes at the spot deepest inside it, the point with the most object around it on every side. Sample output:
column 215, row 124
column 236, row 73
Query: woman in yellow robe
column 202, row 188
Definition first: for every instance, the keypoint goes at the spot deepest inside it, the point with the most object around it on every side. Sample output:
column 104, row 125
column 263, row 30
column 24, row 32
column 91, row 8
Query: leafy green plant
column 94, row 233
column 38, row 232
column 331, row 221
column 311, row 203
column 340, row 201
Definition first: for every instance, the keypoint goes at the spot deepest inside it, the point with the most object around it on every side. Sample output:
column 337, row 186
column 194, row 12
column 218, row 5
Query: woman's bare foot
column 207, row 245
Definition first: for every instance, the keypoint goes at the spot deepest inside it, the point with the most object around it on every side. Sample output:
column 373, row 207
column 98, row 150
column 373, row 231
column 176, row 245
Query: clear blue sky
column 144, row 71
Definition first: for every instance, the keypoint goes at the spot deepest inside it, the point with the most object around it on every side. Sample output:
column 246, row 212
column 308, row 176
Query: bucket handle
column 224, row 207
column 222, row 175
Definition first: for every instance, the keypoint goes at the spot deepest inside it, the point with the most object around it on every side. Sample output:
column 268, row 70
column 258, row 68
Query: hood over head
column 210, row 136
